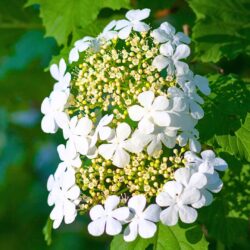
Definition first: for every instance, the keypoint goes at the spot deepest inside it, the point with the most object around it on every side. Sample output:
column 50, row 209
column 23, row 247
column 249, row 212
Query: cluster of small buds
column 128, row 108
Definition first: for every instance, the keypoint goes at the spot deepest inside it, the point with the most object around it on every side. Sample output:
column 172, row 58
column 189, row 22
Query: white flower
column 178, row 199
column 142, row 222
column 189, row 178
column 133, row 23
column 192, row 136
column 69, row 155
column 80, row 46
column 108, row 33
column 151, row 112
column 198, row 81
column 166, row 33
column 170, row 57
column 207, row 163
column 190, row 98
column 59, row 74
column 64, row 195
column 78, row 131
column 161, row 135
column 118, row 146
column 107, row 218
column 214, row 185
column 52, row 107
column 102, row 131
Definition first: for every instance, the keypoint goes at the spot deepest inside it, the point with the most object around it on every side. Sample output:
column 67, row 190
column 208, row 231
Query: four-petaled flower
column 142, row 221
column 178, row 199
column 117, row 147
column 69, row 155
column 59, row 74
column 52, row 108
column 78, row 131
column 64, row 195
column 133, row 23
column 166, row 33
column 153, row 111
column 170, row 58
column 108, row 218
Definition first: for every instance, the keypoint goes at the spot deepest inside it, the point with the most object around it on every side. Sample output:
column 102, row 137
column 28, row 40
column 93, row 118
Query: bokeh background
column 28, row 156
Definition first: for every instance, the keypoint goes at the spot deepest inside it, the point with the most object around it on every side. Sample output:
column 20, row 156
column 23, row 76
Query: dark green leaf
column 222, row 28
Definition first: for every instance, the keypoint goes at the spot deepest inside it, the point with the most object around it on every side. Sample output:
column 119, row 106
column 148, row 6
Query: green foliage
column 222, row 28
column 47, row 232
column 179, row 237
column 73, row 16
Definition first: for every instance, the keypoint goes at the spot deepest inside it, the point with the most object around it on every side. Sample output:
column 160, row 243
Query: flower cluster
column 128, row 104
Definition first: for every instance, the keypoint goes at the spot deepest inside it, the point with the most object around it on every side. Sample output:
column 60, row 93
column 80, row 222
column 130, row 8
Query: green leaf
column 178, row 237
column 238, row 144
column 226, row 219
column 47, row 231
column 222, row 28
column 62, row 18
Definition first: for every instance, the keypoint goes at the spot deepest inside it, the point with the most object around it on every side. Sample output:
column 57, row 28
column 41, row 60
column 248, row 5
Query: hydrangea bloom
column 130, row 131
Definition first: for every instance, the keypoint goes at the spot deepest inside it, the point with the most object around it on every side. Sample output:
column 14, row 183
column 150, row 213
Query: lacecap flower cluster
column 127, row 104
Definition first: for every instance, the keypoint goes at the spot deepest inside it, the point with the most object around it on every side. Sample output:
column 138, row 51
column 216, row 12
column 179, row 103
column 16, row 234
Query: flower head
column 108, row 218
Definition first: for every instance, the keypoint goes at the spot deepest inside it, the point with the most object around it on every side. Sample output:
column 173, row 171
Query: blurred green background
column 28, row 156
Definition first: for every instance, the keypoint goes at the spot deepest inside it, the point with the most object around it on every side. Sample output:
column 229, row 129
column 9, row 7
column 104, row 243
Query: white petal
column 50, row 182
column 57, row 222
column 96, row 212
column 121, row 158
column 131, row 231
column 146, row 98
column 147, row 229
column 73, row 55
column 159, row 35
column 160, row 103
column 173, row 188
column 48, row 124
column 81, row 144
column 182, row 175
column 208, row 155
column 125, row 32
column 168, row 28
column 196, row 110
column 62, row 67
column 145, row 126
column 208, row 197
column 137, row 14
column 220, row 164
column 140, row 27
column 182, row 38
column 45, row 107
column 198, row 180
column 137, row 203
column 161, row 118
column 62, row 119
column 152, row 213
column 163, row 199
column 167, row 50
column 54, row 71
column 169, row 216
column 121, row 24
column 96, row 228
column 202, row 84
column 61, row 151
column 160, row 62
column 154, row 146
column 136, row 113
column 121, row 213
column 194, row 145
column 181, row 68
column 113, row 227
column 182, row 51
column 111, row 203
column 73, row 193
column 83, row 126
column 187, row 214
column 107, row 150
column 190, row 195
column 105, row 133
column 123, row 131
